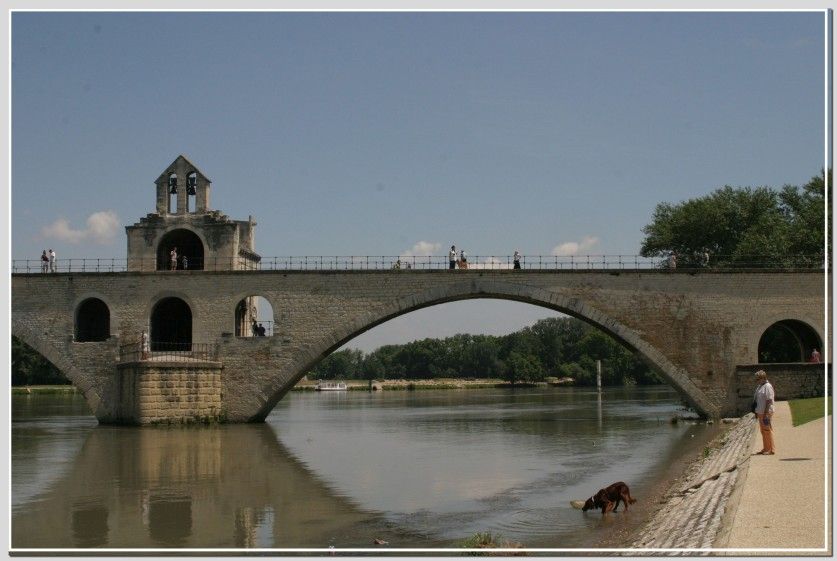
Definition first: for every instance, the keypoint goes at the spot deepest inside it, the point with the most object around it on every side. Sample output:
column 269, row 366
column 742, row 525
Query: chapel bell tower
column 185, row 228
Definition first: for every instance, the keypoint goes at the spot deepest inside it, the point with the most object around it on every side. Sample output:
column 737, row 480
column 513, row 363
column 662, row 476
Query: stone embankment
column 692, row 512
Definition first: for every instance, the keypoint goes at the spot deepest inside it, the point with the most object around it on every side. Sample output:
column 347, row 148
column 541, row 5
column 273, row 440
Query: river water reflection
column 417, row 469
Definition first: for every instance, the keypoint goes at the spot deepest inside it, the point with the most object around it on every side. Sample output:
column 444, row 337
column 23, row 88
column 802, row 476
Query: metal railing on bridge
column 160, row 351
column 262, row 328
column 423, row 263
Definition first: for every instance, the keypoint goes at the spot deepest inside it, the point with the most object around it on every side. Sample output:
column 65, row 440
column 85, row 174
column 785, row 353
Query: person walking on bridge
column 452, row 257
column 764, row 398
column 44, row 262
column 53, row 264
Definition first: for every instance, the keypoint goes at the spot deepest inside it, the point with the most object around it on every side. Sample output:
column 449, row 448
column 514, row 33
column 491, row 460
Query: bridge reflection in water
column 417, row 469
column 222, row 486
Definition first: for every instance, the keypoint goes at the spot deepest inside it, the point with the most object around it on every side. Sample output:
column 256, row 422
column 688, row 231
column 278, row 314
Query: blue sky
column 389, row 133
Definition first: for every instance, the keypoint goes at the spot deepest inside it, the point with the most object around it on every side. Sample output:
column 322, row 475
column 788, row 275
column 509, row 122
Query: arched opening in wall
column 188, row 248
column 254, row 317
column 788, row 341
column 30, row 368
column 191, row 191
column 172, row 193
column 171, row 325
column 92, row 321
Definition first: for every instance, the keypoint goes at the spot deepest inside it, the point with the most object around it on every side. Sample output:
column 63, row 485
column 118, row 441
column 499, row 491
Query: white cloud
column 491, row 263
column 573, row 248
column 102, row 228
column 423, row 249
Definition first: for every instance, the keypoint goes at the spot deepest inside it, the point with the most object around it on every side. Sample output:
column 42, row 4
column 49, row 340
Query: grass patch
column 806, row 410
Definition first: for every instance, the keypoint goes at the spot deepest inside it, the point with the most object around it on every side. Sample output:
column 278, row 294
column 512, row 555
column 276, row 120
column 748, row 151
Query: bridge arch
column 59, row 359
column 788, row 340
column 497, row 289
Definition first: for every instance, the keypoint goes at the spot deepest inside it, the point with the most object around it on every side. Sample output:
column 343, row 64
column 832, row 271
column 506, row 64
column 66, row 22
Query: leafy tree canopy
column 554, row 347
column 743, row 226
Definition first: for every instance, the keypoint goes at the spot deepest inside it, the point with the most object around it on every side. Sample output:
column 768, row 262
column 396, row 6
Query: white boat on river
column 331, row 386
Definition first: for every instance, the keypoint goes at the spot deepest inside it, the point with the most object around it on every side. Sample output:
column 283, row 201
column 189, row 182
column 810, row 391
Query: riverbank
column 685, row 508
column 44, row 390
column 433, row 384
column 736, row 502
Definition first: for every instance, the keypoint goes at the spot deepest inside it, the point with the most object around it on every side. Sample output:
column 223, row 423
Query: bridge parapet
column 421, row 263
column 790, row 380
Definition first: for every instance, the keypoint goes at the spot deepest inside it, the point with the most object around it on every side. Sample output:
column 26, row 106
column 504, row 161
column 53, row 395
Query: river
column 425, row 469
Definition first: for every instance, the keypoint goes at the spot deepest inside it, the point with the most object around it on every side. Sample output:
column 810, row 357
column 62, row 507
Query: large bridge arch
column 478, row 288
column 60, row 361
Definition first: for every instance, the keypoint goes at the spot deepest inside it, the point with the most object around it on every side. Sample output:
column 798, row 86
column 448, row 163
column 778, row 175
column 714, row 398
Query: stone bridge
column 693, row 327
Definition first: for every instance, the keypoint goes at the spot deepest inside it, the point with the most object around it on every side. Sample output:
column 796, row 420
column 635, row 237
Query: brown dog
column 608, row 498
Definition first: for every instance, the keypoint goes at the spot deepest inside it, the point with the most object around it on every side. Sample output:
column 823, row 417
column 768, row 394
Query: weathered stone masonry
column 154, row 392
column 693, row 327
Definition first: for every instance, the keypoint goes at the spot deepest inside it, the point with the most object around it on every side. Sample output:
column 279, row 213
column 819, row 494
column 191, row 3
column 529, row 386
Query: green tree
column 742, row 226
column 523, row 368
column 372, row 368
column 343, row 364
column 30, row 368
column 480, row 358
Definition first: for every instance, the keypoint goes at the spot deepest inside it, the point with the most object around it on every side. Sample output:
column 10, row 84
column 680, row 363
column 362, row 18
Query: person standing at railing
column 44, row 262
column 463, row 260
column 173, row 259
column 185, row 263
column 516, row 259
column 815, row 356
column 53, row 264
column 452, row 257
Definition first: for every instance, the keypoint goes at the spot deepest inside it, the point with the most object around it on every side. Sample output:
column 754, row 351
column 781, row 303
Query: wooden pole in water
column 599, row 375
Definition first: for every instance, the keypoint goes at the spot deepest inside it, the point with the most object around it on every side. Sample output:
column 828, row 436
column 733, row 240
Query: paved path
column 733, row 501
column 782, row 501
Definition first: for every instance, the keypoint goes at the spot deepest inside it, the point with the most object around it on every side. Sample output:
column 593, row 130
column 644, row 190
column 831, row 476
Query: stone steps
column 692, row 514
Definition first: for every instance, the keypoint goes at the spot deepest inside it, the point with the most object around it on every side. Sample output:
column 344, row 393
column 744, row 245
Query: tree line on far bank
column 553, row 347
column 745, row 227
